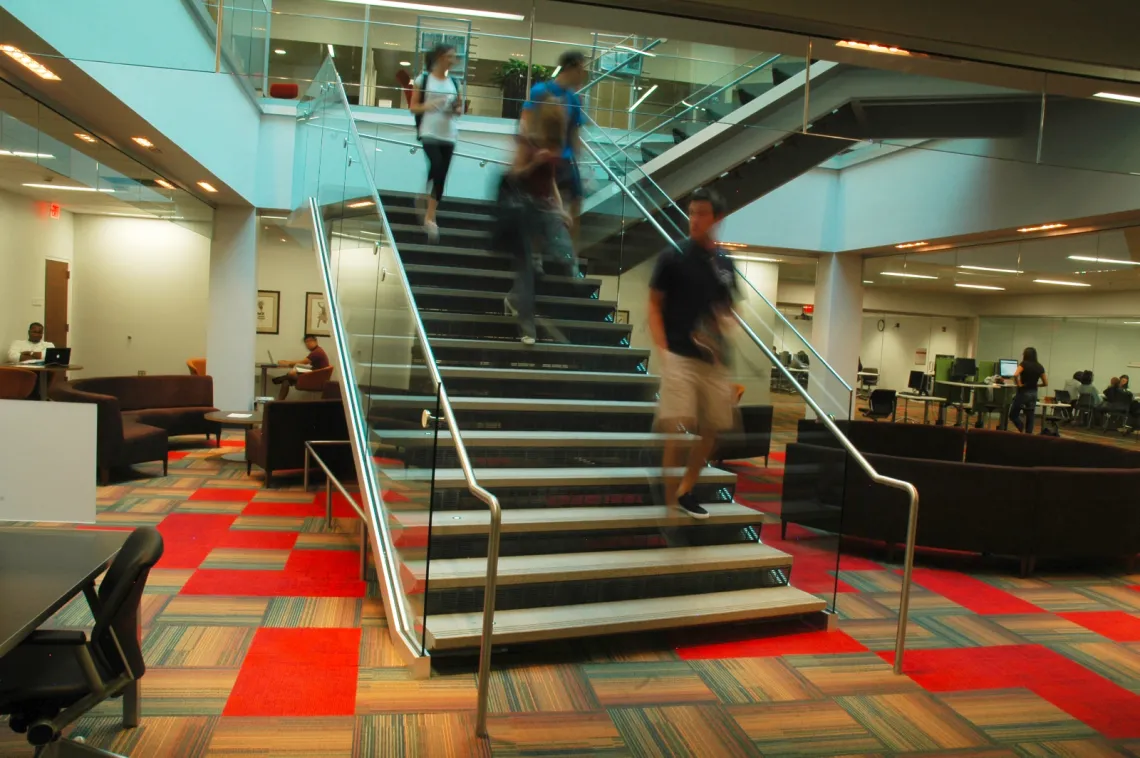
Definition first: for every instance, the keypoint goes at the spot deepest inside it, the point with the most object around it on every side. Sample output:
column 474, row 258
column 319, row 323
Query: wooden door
column 57, row 280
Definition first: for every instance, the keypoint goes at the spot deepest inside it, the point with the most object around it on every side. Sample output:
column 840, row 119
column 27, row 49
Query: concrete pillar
column 837, row 327
column 232, row 335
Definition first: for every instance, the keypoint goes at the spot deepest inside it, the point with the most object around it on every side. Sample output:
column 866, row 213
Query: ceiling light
column 872, row 47
column 641, row 99
column 143, row 142
column 557, row 69
column 1093, row 259
column 1132, row 322
column 405, row 63
column 438, row 9
column 279, row 51
column 979, row 287
column 629, row 49
column 754, row 258
column 392, row 44
column 868, row 281
column 332, row 51
column 518, row 55
column 360, row 204
column 164, row 183
column 1061, row 283
column 207, row 186
column 29, row 63
column 20, row 154
column 1042, row 228
column 86, row 137
column 65, row 187
column 1117, row 96
column 908, row 276
column 905, row 245
column 275, row 218
column 993, row 270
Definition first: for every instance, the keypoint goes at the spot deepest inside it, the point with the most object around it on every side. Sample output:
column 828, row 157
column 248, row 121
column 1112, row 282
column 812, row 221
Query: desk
column 46, row 371
column 973, row 387
column 243, row 419
column 265, row 367
column 926, row 400
column 40, row 571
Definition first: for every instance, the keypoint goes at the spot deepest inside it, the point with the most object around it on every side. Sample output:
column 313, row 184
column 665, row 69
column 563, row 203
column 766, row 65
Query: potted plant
column 511, row 79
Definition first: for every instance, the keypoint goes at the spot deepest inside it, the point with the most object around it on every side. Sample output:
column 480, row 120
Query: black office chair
column 869, row 379
column 1085, row 409
column 882, row 405
column 55, row 677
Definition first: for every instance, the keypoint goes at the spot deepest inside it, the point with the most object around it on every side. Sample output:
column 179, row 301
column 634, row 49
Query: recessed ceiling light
column 207, row 186
column 360, row 204
column 908, row 276
column 279, row 51
column 405, row 63
column 979, row 287
column 275, row 218
column 1061, row 283
column 29, row 63
column 65, row 187
column 905, row 245
column 438, row 9
column 1042, row 228
column 629, row 49
column 21, row 154
column 1094, row 259
column 143, row 142
column 642, row 99
column 868, row 281
column 872, row 47
column 86, row 137
column 993, row 270
column 164, row 183
column 755, row 258
column 392, row 44
column 332, row 50
column 1117, row 96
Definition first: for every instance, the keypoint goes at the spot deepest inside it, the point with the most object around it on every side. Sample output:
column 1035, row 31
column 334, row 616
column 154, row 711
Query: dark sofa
column 754, row 437
column 176, row 404
column 279, row 444
column 1010, row 494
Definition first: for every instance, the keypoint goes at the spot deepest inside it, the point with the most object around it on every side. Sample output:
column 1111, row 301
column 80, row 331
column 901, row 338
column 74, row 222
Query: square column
column 837, row 325
column 231, row 337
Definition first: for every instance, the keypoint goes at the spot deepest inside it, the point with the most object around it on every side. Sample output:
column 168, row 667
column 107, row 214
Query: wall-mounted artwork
column 268, row 311
column 621, row 317
column 317, row 319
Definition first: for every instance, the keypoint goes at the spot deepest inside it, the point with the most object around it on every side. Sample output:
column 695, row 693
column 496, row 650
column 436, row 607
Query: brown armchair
column 279, row 444
column 16, row 383
column 197, row 366
column 314, row 381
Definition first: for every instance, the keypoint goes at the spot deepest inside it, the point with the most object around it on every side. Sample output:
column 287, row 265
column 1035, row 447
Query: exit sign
column 809, row 310
column 54, row 210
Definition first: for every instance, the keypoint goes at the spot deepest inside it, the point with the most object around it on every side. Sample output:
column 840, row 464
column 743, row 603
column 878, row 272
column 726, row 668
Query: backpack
column 422, row 84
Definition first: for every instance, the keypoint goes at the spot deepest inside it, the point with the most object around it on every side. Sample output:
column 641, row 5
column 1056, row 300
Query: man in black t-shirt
column 690, row 311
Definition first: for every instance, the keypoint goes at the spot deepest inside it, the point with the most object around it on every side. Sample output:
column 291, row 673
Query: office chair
column 1085, row 409
column 882, row 405
column 869, row 379
column 55, row 677
column 16, row 383
column 1064, row 414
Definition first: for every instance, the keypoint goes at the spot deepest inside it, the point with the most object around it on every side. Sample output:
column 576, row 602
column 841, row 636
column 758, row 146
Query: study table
column 44, row 372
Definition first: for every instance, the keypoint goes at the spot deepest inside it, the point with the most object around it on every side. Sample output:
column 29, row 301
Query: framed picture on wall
column 268, row 311
column 621, row 317
column 317, row 319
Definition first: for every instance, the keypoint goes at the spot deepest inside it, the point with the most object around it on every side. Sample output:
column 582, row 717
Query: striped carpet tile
column 969, row 630
column 155, row 737
column 754, row 680
column 879, row 634
column 1093, row 748
column 1115, row 662
column 377, row 649
column 682, row 730
column 279, row 737
column 1119, row 597
column 850, row 673
column 210, row 506
column 861, row 606
column 1060, row 599
column 393, row 690
column 328, row 541
column 246, row 559
column 557, row 687
column 1013, row 716
column 205, row 610
column 179, row 692
column 416, row 735
column 907, row 722
column 803, row 729
column 556, row 735
column 1046, row 628
column 197, row 646
column 269, row 523
column 656, row 682
column 327, row 612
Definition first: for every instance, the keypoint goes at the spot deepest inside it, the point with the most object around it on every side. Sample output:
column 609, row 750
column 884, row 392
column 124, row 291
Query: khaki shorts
column 694, row 394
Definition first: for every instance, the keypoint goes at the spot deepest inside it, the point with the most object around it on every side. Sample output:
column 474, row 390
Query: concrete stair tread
column 487, row 318
column 453, row 271
column 552, row 299
column 407, row 210
column 474, row 252
column 517, row 404
column 454, row 573
column 538, row 347
column 500, row 438
column 520, row 374
column 444, row 231
column 452, row 478
column 528, row 520
column 463, row 630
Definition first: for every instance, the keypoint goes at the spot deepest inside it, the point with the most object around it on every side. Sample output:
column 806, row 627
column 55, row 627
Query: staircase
column 561, row 432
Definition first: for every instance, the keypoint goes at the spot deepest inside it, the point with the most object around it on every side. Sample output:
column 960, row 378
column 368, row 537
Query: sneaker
column 432, row 230
column 529, row 340
column 692, row 506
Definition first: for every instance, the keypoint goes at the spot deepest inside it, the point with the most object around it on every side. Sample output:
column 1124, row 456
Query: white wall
column 893, row 350
column 28, row 238
column 291, row 269
column 141, row 296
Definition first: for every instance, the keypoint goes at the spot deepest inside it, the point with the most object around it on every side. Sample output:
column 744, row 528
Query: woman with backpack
column 437, row 104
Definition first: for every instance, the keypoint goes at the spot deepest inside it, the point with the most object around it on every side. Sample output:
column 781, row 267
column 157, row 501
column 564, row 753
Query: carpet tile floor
column 261, row 641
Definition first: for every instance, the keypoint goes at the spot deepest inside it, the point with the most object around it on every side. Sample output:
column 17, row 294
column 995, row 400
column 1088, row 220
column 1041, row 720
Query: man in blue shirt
column 564, row 89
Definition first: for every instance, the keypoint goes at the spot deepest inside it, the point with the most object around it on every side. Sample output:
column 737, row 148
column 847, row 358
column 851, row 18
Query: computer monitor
column 1007, row 367
column 963, row 369
column 916, row 380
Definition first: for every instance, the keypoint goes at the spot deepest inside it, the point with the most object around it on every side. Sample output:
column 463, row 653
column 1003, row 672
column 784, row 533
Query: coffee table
column 240, row 419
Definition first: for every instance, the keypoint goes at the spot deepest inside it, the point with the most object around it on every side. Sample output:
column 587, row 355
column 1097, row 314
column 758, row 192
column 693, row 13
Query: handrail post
column 218, row 39
column 484, row 679
column 908, row 568
column 328, row 500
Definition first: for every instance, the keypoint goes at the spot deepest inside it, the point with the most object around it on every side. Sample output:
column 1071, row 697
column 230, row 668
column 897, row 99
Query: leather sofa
column 279, row 443
column 989, row 492
column 752, row 440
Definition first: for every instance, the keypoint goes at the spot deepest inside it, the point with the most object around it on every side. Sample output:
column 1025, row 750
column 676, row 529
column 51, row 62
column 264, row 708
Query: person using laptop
column 31, row 349
column 315, row 360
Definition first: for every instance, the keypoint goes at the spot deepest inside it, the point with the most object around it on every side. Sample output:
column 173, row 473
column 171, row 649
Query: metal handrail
column 876, row 477
column 492, row 502
column 623, row 64
column 330, row 481
column 483, row 161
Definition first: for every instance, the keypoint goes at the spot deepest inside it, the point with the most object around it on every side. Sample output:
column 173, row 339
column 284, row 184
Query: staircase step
column 496, row 438
column 559, row 348
column 498, row 281
column 515, row 404
column 463, row 630
column 472, row 301
column 490, row 478
column 530, row 520
column 454, row 573
column 407, row 214
column 424, row 254
column 415, row 229
column 506, row 328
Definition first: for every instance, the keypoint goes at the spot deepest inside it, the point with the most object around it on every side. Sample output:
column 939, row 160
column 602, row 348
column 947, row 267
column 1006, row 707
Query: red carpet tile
column 298, row 672
column 189, row 537
column 177, row 455
column 232, row 443
column 1105, row 706
column 1117, row 626
column 779, row 643
column 315, row 509
column 220, row 494
column 779, row 457
column 259, row 540
column 971, row 593
column 308, row 573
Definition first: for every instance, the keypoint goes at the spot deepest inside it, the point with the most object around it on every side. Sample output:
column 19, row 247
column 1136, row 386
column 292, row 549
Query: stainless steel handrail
column 482, row 160
column 330, row 482
column 876, row 477
column 623, row 64
column 492, row 502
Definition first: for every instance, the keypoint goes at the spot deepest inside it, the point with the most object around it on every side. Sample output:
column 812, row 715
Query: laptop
column 57, row 356
column 270, row 354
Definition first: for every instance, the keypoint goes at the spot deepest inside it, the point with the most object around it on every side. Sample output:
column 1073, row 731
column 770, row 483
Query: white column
column 232, row 335
column 837, row 325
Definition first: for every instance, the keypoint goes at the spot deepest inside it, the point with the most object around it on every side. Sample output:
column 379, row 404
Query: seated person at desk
column 1088, row 388
column 315, row 360
column 1073, row 386
column 31, row 349
column 1028, row 376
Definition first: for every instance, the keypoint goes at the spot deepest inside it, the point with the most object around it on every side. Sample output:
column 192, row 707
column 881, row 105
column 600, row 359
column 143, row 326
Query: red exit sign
column 809, row 310
column 54, row 210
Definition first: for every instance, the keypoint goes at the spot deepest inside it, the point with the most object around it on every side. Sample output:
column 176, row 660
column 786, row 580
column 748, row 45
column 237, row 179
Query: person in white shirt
column 31, row 349
column 436, row 101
